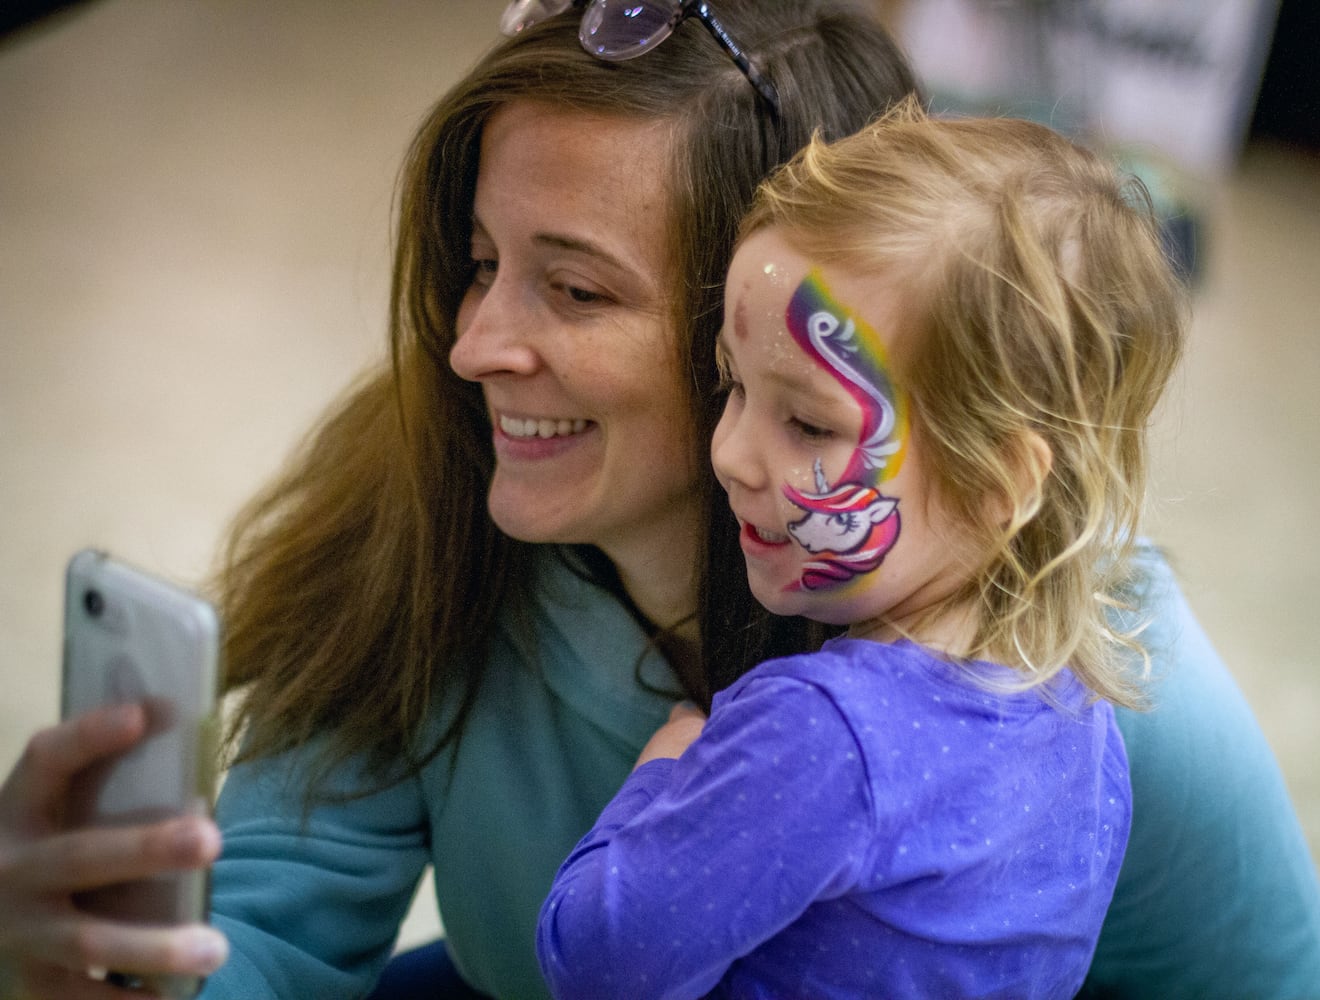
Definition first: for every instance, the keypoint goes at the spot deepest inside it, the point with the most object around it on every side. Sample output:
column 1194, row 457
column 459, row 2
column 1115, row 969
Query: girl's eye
column 810, row 431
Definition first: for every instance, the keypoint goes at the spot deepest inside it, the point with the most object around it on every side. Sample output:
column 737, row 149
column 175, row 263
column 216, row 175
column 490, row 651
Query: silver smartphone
column 131, row 637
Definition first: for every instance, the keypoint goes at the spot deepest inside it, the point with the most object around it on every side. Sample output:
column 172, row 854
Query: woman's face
column 566, row 327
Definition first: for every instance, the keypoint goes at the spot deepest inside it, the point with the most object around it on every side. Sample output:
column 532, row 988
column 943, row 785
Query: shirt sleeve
column 1217, row 896
column 311, row 904
column 698, row 861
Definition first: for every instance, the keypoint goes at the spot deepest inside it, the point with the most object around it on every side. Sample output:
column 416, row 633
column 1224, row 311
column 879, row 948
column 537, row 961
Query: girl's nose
column 493, row 329
column 733, row 452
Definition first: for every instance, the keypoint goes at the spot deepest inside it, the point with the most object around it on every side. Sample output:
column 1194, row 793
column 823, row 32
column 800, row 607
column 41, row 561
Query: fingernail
column 208, row 951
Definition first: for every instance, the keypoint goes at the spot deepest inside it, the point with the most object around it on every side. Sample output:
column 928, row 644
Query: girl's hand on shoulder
column 685, row 724
column 47, row 944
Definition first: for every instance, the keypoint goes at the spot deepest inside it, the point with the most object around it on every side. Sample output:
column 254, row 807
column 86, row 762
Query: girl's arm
column 699, row 860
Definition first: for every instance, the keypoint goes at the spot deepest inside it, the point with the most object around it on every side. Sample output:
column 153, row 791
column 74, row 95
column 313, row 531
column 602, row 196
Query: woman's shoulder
column 1207, row 793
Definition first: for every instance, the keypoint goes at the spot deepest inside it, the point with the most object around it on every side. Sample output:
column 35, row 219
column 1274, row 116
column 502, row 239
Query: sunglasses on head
column 615, row 30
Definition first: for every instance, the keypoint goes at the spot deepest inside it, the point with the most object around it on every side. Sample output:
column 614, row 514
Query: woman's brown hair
column 363, row 584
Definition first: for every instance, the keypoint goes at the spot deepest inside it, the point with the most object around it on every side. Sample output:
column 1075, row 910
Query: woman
column 456, row 634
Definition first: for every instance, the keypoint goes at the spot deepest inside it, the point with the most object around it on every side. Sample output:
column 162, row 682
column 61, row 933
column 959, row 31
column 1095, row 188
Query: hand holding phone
column 132, row 638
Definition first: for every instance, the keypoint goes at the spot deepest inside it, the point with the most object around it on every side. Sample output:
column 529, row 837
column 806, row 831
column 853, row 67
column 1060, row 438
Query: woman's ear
column 1029, row 459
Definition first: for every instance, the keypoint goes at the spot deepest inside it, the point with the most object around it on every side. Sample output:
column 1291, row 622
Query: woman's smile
column 542, row 427
column 537, row 439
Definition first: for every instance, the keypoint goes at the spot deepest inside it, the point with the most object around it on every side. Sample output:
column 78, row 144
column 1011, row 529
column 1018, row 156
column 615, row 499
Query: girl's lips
column 755, row 541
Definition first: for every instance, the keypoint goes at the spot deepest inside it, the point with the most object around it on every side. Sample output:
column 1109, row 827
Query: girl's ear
column 1029, row 459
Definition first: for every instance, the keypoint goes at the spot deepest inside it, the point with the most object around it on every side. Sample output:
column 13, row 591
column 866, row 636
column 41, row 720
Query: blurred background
column 195, row 212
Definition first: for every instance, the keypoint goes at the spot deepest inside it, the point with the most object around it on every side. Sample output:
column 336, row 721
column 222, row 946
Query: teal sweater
column 1217, row 896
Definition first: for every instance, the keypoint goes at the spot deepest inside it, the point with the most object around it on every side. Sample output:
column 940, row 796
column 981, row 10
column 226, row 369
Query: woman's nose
column 493, row 339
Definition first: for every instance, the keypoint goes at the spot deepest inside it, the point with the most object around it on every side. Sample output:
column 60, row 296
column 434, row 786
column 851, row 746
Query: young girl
column 943, row 341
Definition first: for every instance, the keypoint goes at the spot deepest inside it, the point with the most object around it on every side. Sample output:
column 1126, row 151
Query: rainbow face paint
column 849, row 527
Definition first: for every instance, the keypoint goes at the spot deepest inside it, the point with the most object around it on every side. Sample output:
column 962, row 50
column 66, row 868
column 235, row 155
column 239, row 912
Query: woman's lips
column 534, row 439
column 542, row 427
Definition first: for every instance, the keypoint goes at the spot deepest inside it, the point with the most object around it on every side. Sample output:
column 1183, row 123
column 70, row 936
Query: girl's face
column 566, row 327
column 815, row 445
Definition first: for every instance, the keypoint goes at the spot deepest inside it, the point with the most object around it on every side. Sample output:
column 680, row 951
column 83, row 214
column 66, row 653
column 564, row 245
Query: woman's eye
column 483, row 271
column 578, row 295
column 583, row 295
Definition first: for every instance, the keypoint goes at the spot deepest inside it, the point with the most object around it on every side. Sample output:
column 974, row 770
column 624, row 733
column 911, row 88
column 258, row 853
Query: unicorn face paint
column 814, row 447
column 849, row 528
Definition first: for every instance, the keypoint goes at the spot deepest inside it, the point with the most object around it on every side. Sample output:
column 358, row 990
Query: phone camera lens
column 94, row 603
